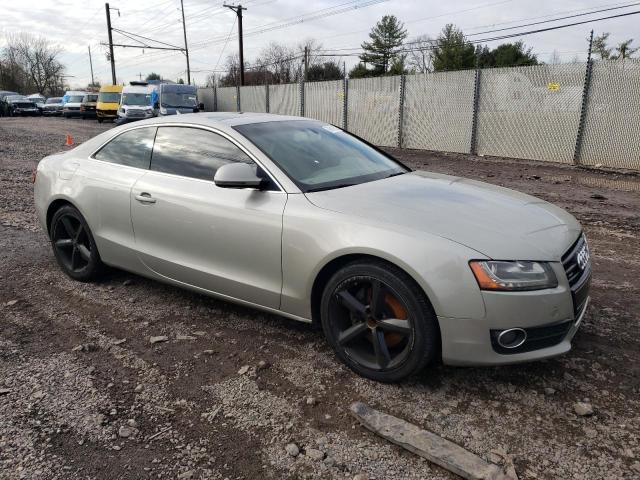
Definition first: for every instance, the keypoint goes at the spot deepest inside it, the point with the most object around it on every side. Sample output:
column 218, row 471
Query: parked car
column 88, row 105
column 4, row 107
column 53, row 106
column 71, row 102
column 19, row 105
column 38, row 100
column 137, row 102
column 176, row 98
column 302, row 219
column 108, row 102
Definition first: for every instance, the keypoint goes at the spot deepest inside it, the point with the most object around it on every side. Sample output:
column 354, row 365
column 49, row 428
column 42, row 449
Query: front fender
column 313, row 237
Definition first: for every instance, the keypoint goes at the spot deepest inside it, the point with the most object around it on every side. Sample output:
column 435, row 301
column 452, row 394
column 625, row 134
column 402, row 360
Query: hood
column 499, row 223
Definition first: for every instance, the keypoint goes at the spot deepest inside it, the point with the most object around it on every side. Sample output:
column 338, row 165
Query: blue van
column 176, row 98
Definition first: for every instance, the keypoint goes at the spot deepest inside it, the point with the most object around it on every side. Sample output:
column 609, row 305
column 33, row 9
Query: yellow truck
column 108, row 102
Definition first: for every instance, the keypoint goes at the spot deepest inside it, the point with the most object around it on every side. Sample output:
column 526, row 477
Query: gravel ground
column 84, row 394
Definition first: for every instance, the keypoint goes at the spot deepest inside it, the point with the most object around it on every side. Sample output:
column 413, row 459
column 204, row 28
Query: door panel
column 105, row 197
column 224, row 240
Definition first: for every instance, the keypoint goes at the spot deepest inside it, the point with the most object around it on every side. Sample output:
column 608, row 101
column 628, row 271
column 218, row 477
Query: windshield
column 90, row 98
column 75, row 99
column 54, row 100
column 317, row 156
column 174, row 100
column 37, row 99
column 136, row 99
column 109, row 97
column 17, row 98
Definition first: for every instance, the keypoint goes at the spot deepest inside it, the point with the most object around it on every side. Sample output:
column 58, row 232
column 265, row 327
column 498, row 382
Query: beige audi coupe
column 302, row 219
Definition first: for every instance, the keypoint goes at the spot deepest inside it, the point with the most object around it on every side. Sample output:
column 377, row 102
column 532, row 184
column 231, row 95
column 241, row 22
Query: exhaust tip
column 512, row 338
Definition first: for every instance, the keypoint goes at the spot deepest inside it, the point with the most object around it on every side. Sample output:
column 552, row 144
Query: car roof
column 230, row 119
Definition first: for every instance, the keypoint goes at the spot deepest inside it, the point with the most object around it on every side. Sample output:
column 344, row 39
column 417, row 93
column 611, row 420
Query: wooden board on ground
column 428, row 445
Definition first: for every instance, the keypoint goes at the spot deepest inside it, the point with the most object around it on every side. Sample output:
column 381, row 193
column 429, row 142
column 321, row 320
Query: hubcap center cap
column 372, row 323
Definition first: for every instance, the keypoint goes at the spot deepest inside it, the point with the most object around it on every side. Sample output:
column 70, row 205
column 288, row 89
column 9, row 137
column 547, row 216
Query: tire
column 378, row 321
column 100, row 120
column 73, row 245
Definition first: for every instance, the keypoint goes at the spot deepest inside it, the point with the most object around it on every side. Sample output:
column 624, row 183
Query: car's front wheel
column 73, row 245
column 379, row 321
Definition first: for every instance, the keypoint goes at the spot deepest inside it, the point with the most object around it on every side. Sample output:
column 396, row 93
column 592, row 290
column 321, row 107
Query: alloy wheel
column 72, row 244
column 371, row 323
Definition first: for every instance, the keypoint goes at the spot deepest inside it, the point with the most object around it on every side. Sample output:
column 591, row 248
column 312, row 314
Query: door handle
column 145, row 197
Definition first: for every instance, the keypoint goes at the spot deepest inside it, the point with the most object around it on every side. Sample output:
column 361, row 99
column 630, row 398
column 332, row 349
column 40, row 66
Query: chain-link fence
column 538, row 112
column 438, row 111
column 325, row 101
column 530, row 112
column 373, row 106
column 284, row 99
column 253, row 98
column 612, row 121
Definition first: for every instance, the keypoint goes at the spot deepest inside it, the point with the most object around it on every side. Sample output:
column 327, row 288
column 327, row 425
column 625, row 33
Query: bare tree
column 420, row 56
column 281, row 60
column 554, row 59
column 37, row 59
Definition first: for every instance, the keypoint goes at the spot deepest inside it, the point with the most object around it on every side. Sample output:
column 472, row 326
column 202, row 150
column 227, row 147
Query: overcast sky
column 76, row 24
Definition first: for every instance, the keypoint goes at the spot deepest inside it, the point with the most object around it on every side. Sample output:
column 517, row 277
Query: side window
column 132, row 148
column 192, row 152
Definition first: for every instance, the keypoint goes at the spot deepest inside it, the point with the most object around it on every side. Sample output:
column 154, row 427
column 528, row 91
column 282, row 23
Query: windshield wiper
column 331, row 187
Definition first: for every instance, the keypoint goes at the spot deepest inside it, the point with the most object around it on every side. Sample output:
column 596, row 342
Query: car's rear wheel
column 378, row 321
column 73, row 245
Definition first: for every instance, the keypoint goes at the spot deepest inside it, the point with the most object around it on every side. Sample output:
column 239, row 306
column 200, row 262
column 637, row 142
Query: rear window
column 131, row 148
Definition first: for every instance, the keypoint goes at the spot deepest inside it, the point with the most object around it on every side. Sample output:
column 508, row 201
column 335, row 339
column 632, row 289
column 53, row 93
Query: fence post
column 266, row 97
column 403, row 86
column 473, row 147
column 301, row 96
column 215, row 98
column 238, row 105
column 583, row 107
column 345, row 103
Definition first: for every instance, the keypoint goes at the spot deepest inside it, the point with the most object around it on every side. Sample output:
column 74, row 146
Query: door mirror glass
column 238, row 175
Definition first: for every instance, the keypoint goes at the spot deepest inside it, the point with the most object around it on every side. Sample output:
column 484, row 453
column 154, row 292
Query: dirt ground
column 85, row 395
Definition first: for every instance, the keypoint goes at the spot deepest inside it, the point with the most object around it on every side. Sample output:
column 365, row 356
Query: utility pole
column 93, row 82
column 186, row 48
column 238, row 9
column 306, row 63
column 113, row 60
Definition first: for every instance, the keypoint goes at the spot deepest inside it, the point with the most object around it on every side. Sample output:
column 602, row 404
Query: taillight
column 34, row 174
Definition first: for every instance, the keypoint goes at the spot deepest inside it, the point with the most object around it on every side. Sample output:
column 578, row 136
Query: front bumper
column 107, row 114
column 548, row 316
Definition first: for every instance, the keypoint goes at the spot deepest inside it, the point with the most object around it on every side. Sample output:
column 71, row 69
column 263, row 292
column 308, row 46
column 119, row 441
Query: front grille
column 72, row 108
column 135, row 113
column 537, row 338
column 577, row 265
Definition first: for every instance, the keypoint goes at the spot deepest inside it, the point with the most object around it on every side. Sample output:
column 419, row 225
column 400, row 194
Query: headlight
column 163, row 110
column 517, row 275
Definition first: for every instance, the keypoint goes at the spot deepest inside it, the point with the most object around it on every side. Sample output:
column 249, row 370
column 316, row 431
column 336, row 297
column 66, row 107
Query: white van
column 137, row 101
column 71, row 103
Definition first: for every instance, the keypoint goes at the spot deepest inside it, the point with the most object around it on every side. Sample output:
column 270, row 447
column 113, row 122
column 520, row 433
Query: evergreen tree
column 387, row 35
column 453, row 51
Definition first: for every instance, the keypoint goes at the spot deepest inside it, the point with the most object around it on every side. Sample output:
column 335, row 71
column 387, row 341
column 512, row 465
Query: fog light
column 512, row 338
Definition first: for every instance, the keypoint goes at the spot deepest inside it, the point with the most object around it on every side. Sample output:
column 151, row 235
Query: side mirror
column 201, row 106
column 156, row 105
column 238, row 175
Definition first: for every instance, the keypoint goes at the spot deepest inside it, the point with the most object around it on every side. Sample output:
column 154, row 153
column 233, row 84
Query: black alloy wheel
column 74, row 246
column 378, row 321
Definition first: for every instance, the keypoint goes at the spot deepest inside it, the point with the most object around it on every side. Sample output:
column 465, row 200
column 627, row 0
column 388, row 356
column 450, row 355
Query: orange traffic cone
column 69, row 141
